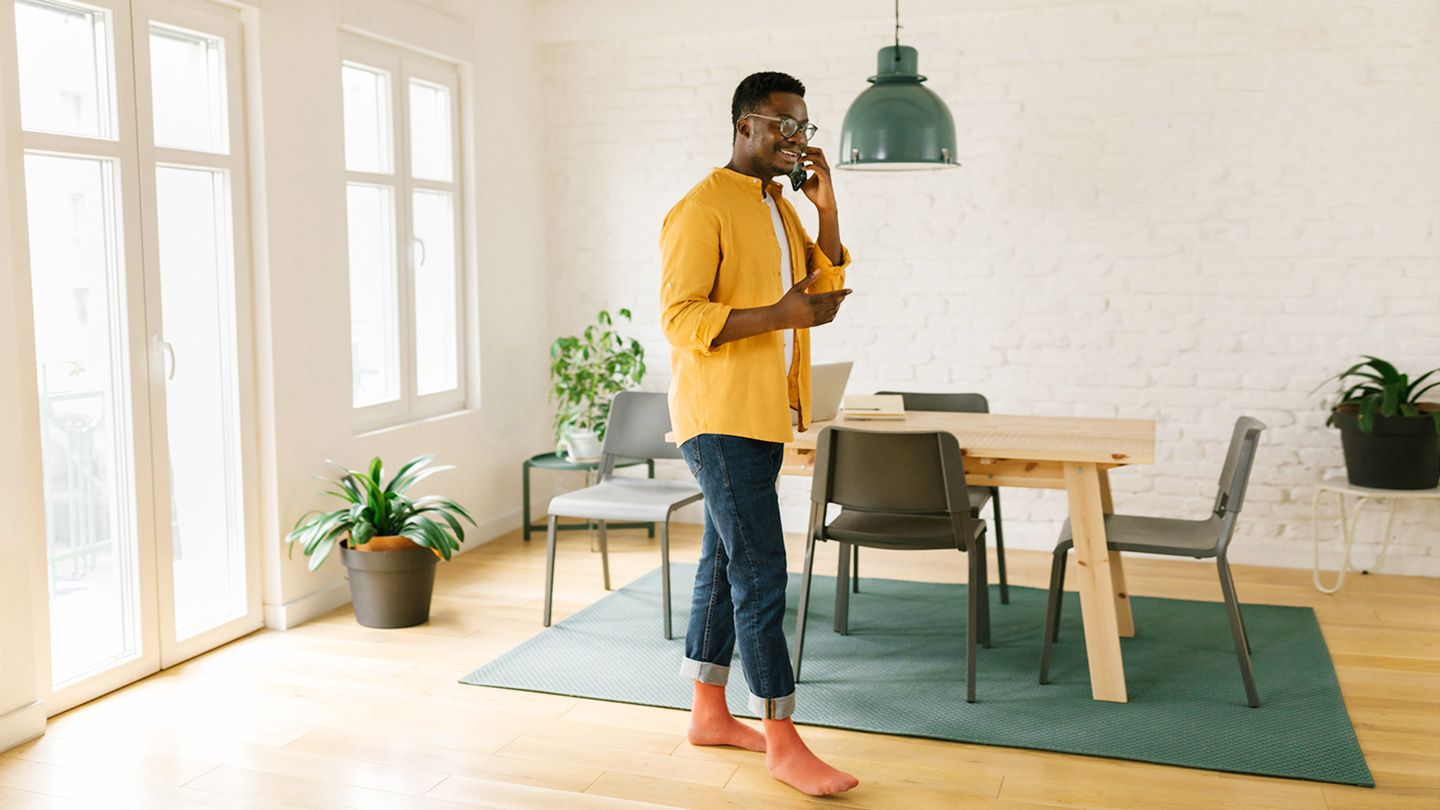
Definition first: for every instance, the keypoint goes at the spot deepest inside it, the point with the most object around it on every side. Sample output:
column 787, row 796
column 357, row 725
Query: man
column 741, row 285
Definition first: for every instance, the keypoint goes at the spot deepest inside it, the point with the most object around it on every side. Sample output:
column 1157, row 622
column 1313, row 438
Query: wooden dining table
column 1044, row 452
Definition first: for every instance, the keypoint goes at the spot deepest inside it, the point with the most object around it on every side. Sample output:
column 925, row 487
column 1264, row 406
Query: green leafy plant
column 1377, row 387
column 375, row 508
column 588, row 370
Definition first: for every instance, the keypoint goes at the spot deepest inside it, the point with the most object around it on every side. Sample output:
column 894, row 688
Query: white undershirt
column 783, row 274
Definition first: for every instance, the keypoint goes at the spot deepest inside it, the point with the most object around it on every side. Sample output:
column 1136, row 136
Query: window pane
column 435, row 293
column 374, row 301
column 85, row 420
column 367, row 119
column 65, row 75
column 201, row 396
column 187, row 79
column 430, row 147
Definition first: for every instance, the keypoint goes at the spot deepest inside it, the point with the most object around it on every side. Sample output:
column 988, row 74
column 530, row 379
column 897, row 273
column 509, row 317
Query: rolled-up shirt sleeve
column 689, row 261
column 832, row 276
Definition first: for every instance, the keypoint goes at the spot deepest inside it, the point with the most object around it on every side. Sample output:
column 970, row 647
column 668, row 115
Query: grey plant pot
column 390, row 588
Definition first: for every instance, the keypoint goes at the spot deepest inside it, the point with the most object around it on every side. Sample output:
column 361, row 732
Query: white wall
column 1184, row 210
column 21, row 716
column 304, row 304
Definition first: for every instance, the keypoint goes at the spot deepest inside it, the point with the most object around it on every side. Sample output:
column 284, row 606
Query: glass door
column 192, row 173
column 135, row 217
column 83, row 222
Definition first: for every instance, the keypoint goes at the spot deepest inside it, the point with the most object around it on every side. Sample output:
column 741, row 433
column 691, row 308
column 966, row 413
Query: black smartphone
column 798, row 177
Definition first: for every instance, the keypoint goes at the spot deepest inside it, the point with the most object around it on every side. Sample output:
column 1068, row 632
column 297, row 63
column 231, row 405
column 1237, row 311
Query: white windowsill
column 372, row 431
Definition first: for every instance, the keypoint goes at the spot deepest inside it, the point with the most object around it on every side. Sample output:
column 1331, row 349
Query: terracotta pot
column 388, row 542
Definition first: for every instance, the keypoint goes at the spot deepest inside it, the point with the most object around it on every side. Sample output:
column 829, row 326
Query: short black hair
column 755, row 90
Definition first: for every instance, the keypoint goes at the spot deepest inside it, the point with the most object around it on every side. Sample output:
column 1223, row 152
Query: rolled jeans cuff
column 773, row 708
column 704, row 672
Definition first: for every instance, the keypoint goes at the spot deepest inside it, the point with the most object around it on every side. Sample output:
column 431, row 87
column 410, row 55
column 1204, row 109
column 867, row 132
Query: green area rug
column 902, row 671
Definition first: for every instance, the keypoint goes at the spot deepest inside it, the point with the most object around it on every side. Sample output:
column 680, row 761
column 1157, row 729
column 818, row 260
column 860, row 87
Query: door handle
column 169, row 359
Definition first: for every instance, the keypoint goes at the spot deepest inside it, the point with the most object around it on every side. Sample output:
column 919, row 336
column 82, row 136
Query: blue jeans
column 740, row 583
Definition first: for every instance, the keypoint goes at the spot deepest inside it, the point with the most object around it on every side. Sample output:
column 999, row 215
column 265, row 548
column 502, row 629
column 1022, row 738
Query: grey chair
column 636, row 429
column 1201, row 539
column 896, row 491
column 956, row 403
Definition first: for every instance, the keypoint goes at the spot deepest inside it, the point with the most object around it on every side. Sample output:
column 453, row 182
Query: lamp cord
column 897, row 30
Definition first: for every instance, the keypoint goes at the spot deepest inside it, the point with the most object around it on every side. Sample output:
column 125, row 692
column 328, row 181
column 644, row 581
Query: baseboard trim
column 296, row 612
column 21, row 725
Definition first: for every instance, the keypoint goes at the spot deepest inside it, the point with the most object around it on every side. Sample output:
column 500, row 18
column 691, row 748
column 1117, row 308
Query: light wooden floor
column 334, row 715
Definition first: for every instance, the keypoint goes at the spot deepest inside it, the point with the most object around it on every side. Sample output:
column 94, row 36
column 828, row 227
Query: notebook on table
column 874, row 406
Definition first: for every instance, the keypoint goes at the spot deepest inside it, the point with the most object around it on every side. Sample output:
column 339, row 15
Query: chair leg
column 550, row 568
column 604, row 553
column 842, row 591
column 1237, row 629
column 999, row 546
column 1052, row 612
column 1239, row 610
column 650, row 473
column 972, row 625
column 1060, row 590
column 804, row 603
column 665, row 572
column 855, row 569
column 984, row 586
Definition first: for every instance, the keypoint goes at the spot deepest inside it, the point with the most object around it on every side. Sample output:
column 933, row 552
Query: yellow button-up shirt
column 718, row 252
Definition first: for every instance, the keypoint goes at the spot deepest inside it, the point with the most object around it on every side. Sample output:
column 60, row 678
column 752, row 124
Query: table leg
column 1315, row 542
column 842, row 590
column 1123, row 619
column 525, row 489
column 590, row 524
column 1349, row 522
column 1096, row 583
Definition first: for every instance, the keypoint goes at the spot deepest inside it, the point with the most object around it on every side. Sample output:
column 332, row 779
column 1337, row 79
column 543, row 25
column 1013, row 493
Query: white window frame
column 402, row 65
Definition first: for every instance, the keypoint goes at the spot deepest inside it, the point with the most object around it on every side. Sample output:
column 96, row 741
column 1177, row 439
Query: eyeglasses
column 788, row 126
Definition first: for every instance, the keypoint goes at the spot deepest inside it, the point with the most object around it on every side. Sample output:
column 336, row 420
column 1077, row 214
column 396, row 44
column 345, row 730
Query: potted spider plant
column 587, row 371
column 388, row 542
column 1391, row 439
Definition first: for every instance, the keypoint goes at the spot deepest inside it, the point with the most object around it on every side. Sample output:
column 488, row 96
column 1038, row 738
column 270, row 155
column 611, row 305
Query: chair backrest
column 885, row 471
column 954, row 403
column 1239, row 459
column 636, row 428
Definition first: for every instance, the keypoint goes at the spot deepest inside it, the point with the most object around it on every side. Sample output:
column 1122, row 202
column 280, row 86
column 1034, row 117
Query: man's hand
column 801, row 310
column 818, row 188
column 796, row 310
column 822, row 192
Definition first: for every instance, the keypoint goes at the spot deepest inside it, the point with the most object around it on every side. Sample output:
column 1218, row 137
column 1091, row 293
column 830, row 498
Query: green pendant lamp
column 897, row 124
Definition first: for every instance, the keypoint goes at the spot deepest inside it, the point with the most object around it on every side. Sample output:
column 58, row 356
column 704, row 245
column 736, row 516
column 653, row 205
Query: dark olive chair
column 956, row 403
column 895, row 491
column 1202, row 539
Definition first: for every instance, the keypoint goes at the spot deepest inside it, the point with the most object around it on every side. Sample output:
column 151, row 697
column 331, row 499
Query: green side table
column 554, row 461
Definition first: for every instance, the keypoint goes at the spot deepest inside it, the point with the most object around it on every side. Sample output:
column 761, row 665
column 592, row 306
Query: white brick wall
column 1184, row 211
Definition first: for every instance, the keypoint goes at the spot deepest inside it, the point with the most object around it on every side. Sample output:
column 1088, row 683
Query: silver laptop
column 827, row 389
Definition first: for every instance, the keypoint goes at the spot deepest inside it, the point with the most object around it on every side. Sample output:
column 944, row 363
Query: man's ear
column 742, row 128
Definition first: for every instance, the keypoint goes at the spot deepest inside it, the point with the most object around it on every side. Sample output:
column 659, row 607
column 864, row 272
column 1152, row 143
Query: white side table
column 1343, row 489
